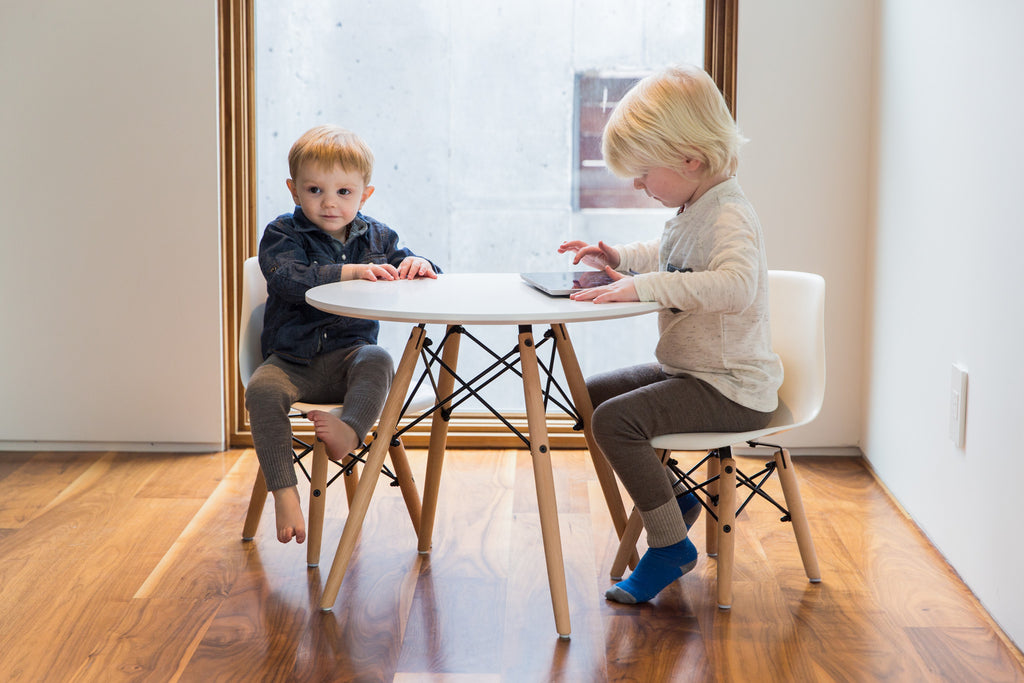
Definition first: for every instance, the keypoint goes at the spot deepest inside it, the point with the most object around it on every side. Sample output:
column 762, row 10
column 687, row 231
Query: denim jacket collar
column 356, row 228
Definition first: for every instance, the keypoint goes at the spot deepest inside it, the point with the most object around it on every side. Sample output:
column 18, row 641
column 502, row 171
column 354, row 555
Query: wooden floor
column 131, row 567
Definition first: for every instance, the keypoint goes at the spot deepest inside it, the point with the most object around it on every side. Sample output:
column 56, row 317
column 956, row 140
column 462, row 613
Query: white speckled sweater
column 710, row 272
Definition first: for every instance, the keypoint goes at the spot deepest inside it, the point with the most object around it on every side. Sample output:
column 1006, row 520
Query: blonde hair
column 667, row 118
column 330, row 145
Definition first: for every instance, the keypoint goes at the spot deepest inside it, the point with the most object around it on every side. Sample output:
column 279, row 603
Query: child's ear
column 693, row 167
column 291, row 188
column 366, row 195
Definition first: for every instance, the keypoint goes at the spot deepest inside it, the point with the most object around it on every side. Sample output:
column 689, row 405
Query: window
column 469, row 110
column 594, row 187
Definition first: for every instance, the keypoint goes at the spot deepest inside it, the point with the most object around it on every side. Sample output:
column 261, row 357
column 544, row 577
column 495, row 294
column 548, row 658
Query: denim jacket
column 295, row 256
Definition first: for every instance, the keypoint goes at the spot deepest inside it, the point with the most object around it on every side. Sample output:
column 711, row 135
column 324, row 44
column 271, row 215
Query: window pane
column 597, row 93
column 469, row 109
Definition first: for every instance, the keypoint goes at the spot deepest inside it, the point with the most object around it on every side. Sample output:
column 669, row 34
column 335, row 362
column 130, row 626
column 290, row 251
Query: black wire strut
column 754, row 482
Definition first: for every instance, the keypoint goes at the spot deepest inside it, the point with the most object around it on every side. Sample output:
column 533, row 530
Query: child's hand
column 413, row 267
column 623, row 289
column 370, row 271
column 598, row 256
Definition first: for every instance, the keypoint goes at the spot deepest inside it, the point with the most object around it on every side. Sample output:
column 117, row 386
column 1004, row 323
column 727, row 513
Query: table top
column 463, row 298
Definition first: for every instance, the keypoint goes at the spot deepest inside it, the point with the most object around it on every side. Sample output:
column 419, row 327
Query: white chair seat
column 782, row 420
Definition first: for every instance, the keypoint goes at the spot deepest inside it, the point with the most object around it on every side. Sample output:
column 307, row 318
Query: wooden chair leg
column 726, row 527
column 317, row 503
column 710, row 521
column 256, row 502
column 351, row 481
column 795, row 505
column 627, row 544
column 406, row 483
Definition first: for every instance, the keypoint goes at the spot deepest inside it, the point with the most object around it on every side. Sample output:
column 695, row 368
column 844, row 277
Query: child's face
column 330, row 197
column 672, row 187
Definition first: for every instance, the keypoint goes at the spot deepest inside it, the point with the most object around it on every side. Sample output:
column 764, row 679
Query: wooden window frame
column 236, row 27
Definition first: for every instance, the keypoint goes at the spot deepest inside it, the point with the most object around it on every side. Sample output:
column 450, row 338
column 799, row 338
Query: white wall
column 109, row 271
column 804, row 92
column 948, row 284
column 885, row 154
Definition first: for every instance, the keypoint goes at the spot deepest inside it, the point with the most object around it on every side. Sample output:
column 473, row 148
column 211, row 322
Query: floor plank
column 131, row 567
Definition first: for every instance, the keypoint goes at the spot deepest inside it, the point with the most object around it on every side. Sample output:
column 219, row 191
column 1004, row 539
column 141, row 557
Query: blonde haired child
column 715, row 371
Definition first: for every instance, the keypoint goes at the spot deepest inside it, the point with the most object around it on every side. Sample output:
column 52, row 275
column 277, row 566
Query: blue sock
column 690, row 507
column 657, row 569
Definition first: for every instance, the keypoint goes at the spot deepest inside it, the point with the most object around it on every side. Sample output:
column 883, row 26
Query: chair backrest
column 254, row 302
column 797, row 304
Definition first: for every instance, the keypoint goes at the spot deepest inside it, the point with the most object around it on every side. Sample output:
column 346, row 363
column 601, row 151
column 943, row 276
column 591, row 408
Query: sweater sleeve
column 728, row 283
column 638, row 257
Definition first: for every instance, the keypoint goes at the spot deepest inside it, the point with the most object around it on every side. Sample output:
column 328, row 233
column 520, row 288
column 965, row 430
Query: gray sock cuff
column 664, row 524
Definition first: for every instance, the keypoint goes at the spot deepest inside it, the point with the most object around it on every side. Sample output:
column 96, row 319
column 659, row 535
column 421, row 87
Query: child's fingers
column 612, row 273
column 409, row 268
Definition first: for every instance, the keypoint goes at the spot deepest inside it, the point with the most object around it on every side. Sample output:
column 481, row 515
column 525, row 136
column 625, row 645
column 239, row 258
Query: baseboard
column 117, row 446
column 837, row 451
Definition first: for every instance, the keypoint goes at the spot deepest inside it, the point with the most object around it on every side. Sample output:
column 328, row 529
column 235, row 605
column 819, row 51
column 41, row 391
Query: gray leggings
column 631, row 406
column 359, row 377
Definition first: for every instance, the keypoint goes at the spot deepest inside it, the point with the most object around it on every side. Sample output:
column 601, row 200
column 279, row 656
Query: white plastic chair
column 254, row 301
column 797, row 308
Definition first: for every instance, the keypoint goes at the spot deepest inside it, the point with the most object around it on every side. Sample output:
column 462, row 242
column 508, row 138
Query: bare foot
column 290, row 522
column 339, row 438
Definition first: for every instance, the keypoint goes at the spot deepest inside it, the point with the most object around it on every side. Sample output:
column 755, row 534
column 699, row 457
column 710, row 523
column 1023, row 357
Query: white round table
column 457, row 300
column 463, row 298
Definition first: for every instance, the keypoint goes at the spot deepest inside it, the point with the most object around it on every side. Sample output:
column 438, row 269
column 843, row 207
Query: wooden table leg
column 374, row 461
column 544, row 477
column 581, row 399
column 438, row 440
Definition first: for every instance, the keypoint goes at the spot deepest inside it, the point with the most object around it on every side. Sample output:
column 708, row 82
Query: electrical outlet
column 958, row 405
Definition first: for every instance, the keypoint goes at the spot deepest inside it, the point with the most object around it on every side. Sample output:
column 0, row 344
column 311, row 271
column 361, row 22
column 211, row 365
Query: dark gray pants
column 359, row 377
column 635, row 404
